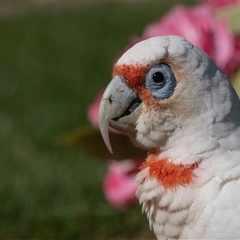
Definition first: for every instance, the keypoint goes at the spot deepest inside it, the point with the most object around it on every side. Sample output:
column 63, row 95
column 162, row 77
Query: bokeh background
column 54, row 59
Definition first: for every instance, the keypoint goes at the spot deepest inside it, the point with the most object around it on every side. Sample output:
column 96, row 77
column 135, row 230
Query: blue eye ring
column 160, row 80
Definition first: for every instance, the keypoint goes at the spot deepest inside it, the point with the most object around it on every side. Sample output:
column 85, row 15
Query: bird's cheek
column 147, row 97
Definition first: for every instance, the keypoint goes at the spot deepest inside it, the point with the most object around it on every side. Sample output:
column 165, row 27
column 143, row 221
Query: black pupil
column 158, row 77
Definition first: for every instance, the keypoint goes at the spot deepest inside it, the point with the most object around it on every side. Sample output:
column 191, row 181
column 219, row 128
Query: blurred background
column 55, row 57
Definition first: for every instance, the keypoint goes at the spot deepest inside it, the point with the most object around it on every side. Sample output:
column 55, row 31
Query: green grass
column 52, row 64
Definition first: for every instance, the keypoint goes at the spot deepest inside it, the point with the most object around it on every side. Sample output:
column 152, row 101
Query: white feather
column 201, row 124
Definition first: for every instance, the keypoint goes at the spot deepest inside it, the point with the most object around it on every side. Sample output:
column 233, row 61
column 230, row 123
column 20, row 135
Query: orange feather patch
column 134, row 76
column 169, row 174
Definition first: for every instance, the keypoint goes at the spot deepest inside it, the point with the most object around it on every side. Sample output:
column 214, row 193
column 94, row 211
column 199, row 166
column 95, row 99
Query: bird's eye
column 161, row 81
column 158, row 77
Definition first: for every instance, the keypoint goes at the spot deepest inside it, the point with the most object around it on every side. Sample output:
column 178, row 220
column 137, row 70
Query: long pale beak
column 119, row 109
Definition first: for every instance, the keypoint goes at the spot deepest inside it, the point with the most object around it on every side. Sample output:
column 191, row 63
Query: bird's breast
column 166, row 192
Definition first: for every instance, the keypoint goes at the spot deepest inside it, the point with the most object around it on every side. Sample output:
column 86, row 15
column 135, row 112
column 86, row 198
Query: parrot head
column 162, row 88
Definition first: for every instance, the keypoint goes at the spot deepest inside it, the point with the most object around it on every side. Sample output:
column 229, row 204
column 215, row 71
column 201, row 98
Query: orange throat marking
column 169, row 174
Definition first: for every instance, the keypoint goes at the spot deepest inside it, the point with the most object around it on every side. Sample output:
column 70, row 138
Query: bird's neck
column 167, row 173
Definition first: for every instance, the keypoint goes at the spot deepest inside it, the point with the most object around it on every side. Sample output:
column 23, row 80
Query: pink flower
column 199, row 26
column 93, row 109
column 220, row 3
column 119, row 185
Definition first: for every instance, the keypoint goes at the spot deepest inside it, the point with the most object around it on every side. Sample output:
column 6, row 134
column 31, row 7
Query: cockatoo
column 173, row 100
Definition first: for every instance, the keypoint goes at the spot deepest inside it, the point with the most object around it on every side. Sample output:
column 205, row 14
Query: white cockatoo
column 173, row 100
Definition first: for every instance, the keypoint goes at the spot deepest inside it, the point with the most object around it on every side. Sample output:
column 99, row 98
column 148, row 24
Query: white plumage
column 189, row 185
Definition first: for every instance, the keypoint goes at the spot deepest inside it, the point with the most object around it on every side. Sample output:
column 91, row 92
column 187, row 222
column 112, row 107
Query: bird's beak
column 119, row 109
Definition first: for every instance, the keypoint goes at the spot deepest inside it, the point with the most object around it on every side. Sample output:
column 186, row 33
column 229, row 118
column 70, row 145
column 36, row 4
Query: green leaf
column 89, row 140
column 236, row 81
column 231, row 13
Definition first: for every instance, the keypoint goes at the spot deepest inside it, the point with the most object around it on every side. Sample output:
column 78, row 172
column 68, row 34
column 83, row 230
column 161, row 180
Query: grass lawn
column 52, row 64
